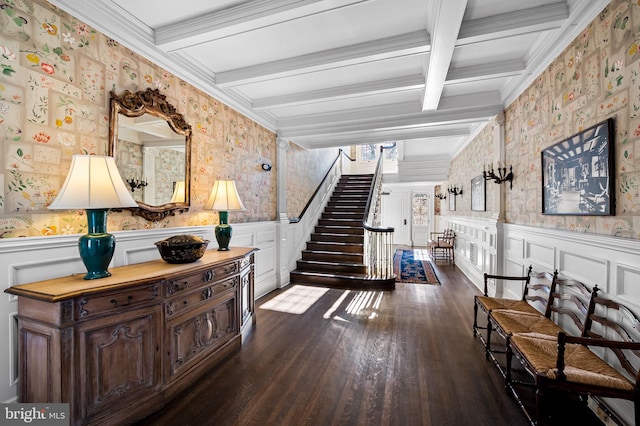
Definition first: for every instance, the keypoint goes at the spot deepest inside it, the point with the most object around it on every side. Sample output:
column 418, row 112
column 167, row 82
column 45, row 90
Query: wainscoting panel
column 588, row 269
column 542, row 257
column 34, row 270
column 627, row 278
column 475, row 246
column 514, row 247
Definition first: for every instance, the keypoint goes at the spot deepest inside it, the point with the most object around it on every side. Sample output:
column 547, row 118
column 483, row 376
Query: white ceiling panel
column 334, row 72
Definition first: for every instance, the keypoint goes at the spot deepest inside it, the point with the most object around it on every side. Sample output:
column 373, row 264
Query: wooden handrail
column 376, row 176
column 340, row 152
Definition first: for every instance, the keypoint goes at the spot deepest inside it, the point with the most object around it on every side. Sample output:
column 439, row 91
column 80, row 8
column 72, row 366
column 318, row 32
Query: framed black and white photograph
column 578, row 173
column 478, row 194
column 452, row 202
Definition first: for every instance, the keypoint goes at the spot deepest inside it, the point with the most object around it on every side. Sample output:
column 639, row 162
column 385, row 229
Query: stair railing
column 378, row 241
column 302, row 226
column 321, row 185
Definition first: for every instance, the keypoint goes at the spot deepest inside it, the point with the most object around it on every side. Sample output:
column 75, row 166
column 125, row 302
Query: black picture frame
column 578, row 173
column 452, row 203
column 478, row 194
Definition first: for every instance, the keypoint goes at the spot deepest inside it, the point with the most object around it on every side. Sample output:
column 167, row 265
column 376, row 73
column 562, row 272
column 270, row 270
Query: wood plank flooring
column 403, row 357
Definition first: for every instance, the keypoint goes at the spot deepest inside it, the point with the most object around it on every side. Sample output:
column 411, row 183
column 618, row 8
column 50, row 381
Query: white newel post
column 282, row 222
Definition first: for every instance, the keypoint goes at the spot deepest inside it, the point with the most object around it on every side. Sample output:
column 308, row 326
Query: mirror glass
column 151, row 144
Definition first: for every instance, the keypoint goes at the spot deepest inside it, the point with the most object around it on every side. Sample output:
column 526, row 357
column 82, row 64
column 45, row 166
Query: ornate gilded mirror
column 151, row 144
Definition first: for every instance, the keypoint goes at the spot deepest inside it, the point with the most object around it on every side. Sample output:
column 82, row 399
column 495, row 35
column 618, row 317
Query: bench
column 553, row 344
column 602, row 362
column 556, row 297
column 534, row 293
column 442, row 245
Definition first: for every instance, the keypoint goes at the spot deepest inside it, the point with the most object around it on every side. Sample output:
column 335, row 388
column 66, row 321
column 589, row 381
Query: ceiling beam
column 450, row 105
column 350, row 115
column 403, row 45
column 240, row 19
column 444, row 24
column 514, row 23
column 358, row 138
column 432, row 118
column 485, row 71
column 399, row 84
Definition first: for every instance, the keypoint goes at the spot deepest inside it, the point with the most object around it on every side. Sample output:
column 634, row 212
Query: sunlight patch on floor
column 295, row 300
column 336, row 305
column 365, row 304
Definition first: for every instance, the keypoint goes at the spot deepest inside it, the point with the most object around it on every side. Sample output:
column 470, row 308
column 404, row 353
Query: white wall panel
column 627, row 280
column 590, row 270
column 539, row 254
column 514, row 247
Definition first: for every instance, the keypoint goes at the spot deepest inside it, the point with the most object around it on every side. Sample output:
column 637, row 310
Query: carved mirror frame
column 151, row 101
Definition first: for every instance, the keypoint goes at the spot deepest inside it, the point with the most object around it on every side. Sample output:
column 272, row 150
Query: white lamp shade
column 93, row 182
column 224, row 197
column 178, row 193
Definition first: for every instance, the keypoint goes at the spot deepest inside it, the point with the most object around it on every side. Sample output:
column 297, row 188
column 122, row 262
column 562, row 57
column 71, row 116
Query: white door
column 420, row 214
column 395, row 214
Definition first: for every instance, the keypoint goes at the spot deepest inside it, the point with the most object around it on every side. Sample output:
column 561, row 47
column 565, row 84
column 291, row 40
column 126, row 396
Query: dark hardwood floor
column 403, row 357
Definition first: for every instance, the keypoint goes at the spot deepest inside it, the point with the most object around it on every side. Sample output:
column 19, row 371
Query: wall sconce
column 502, row 176
column 441, row 196
column 266, row 167
column 224, row 198
column 94, row 184
column 454, row 190
column 136, row 183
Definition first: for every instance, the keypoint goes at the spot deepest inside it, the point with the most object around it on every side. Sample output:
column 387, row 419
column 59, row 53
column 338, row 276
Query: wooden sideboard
column 118, row 348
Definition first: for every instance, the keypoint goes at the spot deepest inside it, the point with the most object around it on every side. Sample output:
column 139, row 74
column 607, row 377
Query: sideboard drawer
column 183, row 303
column 100, row 304
column 199, row 279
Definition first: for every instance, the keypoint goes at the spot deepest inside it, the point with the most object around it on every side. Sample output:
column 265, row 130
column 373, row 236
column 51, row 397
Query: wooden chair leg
column 475, row 319
column 487, row 351
column 507, row 373
column 539, row 405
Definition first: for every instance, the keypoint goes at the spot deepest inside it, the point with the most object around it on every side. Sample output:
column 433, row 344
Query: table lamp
column 94, row 184
column 179, row 192
column 224, row 198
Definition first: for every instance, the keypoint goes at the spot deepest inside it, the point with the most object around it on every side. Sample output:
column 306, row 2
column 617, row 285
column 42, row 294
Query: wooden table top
column 57, row 289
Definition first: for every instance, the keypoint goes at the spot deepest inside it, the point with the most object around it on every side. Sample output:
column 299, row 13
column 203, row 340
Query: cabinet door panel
column 119, row 358
column 198, row 334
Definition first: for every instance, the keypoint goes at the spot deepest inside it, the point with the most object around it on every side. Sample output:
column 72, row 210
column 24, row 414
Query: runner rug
column 414, row 266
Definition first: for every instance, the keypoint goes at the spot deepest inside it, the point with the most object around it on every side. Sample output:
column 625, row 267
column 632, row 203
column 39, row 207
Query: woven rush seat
column 488, row 303
column 511, row 322
column 581, row 364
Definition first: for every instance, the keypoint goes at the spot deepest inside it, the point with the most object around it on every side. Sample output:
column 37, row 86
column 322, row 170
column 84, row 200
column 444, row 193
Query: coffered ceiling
column 329, row 73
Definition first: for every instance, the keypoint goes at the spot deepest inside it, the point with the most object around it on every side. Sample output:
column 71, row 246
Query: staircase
column 334, row 255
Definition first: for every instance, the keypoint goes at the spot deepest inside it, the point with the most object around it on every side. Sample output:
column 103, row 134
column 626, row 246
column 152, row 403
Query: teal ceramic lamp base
column 223, row 232
column 97, row 247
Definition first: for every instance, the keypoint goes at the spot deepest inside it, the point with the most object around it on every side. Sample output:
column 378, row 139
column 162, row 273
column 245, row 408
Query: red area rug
column 414, row 267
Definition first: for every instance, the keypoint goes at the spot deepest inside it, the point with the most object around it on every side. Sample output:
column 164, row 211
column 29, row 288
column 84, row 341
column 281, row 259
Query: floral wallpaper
column 55, row 76
column 466, row 166
column 596, row 77
column 313, row 165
